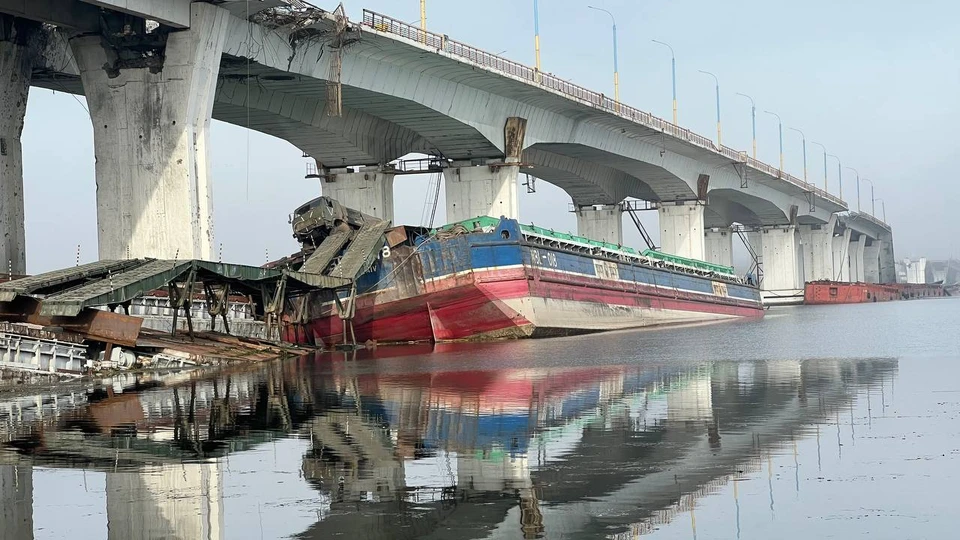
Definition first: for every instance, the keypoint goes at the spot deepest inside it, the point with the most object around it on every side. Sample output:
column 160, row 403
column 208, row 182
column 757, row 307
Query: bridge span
column 356, row 96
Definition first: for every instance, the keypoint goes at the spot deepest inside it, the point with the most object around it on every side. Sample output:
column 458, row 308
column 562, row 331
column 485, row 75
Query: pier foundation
column 888, row 265
column 718, row 246
column 601, row 222
column 16, row 65
column 871, row 262
column 856, row 259
column 841, row 256
column 369, row 190
column 484, row 190
column 817, row 248
column 681, row 229
column 151, row 114
column 781, row 261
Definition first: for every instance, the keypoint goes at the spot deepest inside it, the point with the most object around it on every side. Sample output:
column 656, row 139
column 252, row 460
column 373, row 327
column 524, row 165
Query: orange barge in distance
column 835, row 292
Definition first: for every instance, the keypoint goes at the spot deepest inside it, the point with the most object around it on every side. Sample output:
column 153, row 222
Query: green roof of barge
column 483, row 222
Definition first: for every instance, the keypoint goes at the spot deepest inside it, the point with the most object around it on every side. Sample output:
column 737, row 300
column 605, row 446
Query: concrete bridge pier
column 888, row 268
column 601, row 222
column 16, row 502
column 817, row 246
column 370, row 190
column 779, row 250
column 681, row 228
column 718, row 246
column 151, row 97
column 16, row 66
column 856, row 259
column 871, row 262
column 484, row 190
column 841, row 256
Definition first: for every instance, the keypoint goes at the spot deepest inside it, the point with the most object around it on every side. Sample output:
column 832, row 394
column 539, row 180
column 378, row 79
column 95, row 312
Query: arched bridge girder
column 741, row 207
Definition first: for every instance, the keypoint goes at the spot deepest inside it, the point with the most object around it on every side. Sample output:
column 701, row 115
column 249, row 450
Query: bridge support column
column 782, row 278
column 16, row 502
column 856, row 259
column 681, row 229
column 485, row 190
column 151, row 118
column 718, row 246
column 16, row 66
column 871, row 262
column 888, row 264
column 601, row 222
column 817, row 247
column 370, row 190
column 841, row 256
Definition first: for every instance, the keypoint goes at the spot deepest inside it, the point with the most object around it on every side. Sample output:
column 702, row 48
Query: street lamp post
column 423, row 20
column 825, row 188
column 873, row 200
column 673, row 74
column 840, row 175
column 536, row 33
column 804, row 139
column 753, row 122
column 883, row 208
column 780, row 125
column 616, row 70
column 717, row 81
column 858, row 184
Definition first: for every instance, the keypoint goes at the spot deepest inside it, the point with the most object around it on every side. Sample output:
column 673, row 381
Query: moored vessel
column 835, row 292
column 488, row 278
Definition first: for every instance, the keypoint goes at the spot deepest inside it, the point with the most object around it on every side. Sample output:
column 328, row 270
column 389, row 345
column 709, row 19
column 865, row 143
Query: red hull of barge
column 833, row 292
column 468, row 308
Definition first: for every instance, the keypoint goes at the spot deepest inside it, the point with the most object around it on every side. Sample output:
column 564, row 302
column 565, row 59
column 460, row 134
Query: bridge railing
column 384, row 23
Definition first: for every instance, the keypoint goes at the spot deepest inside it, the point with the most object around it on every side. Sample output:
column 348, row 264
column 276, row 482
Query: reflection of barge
column 489, row 278
column 835, row 292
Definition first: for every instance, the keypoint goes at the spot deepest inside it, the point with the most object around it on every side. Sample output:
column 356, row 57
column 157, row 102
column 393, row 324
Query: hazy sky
column 876, row 81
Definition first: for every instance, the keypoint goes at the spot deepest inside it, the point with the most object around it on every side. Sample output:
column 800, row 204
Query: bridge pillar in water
column 817, row 247
column 856, row 259
column 681, row 228
column 871, row 262
column 601, row 222
column 370, row 190
column 488, row 188
column 841, row 256
column 781, row 259
column 718, row 246
column 888, row 265
column 151, row 120
column 16, row 68
column 16, row 502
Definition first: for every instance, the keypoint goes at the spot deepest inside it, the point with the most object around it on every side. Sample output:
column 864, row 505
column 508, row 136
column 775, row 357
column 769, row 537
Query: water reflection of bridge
column 507, row 452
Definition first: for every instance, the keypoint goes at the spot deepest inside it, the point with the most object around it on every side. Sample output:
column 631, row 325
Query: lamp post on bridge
column 840, row 175
column 804, row 139
column 423, row 19
column 780, row 125
column 858, row 184
column 673, row 74
column 753, row 122
column 873, row 200
column 883, row 207
column 824, row 165
column 717, row 81
column 616, row 70
column 536, row 33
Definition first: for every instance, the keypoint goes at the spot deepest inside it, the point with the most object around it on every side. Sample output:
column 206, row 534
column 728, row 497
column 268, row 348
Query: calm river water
column 816, row 422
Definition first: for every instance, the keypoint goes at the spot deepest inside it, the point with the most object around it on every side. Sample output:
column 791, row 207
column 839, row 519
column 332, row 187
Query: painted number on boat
column 545, row 258
column 606, row 269
column 720, row 289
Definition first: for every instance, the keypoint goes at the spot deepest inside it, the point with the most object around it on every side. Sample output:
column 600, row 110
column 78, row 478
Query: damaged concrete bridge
column 361, row 94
